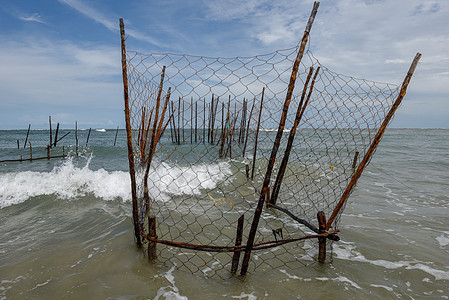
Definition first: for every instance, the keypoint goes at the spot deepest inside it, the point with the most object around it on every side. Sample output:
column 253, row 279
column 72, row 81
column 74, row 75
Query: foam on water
column 178, row 180
column 68, row 181
column 347, row 251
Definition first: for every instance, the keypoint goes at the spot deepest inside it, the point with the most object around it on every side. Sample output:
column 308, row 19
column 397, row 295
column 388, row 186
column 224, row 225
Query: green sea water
column 66, row 230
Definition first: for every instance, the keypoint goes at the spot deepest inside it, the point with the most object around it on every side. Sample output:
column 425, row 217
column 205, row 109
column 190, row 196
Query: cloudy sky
column 62, row 57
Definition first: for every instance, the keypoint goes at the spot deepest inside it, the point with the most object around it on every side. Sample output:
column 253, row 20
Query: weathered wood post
column 31, row 152
column 129, row 137
column 238, row 242
column 56, row 135
column 115, row 139
column 321, row 240
column 277, row 141
column 257, row 134
column 299, row 113
column 375, row 142
column 49, row 121
column 26, row 139
column 152, row 254
column 76, row 137
column 88, row 136
column 354, row 162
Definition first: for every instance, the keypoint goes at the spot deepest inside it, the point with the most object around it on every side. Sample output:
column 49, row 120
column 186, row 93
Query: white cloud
column 33, row 18
column 61, row 79
column 110, row 23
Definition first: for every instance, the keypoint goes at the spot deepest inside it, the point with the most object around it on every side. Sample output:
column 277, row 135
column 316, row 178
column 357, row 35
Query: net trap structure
column 234, row 169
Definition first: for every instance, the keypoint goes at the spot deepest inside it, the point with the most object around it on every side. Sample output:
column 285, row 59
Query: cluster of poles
column 53, row 141
column 223, row 134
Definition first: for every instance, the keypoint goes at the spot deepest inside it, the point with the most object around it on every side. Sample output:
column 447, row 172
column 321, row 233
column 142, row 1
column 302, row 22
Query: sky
column 62, row 57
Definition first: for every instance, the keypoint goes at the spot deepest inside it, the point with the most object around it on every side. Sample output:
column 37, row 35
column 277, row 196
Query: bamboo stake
column 31, row 152
column 298, row 117
column 375, row 142
column 26, row 139
column 257, row 134
column 288, row 97
column 18, row 145
column 129, row 137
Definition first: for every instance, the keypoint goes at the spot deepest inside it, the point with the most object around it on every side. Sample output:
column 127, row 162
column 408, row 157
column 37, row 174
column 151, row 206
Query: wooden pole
column 247, row 129
column 354, row 162
column 238, row 242
column 191, row 120
column 179, row 120
column 76, row 137
column 196, row 122
column 277, row 141
column 31, row 152
column 204, row 120
column 64, row 136
column 26, row 139
column 49, row 121
column 321, row 240
column 257, row 134
column 18, row 145
column 56, row 134
column 291, row 137
column 129, row 137
column 48, row 152
column 115, row 139
column 154, row 137
column 88, row 136
column 152, row 254
column 375, row 142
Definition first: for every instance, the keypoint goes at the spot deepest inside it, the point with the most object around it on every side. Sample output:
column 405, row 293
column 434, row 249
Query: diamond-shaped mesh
column 220, row 121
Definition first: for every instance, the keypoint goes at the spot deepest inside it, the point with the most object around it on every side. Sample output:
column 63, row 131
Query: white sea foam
column 443, row 240
column 69, row 181
column 178, row 180
column 347, row 251
column 172, row 291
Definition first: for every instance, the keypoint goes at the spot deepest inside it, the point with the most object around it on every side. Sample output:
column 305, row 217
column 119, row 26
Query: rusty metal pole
column 277, row 141
column 129, row 138
column 375, row 142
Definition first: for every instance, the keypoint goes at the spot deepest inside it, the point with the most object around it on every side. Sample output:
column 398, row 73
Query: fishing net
column 203, row 131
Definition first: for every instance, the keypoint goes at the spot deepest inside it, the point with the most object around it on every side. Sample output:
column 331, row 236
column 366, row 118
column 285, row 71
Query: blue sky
column 62, row 57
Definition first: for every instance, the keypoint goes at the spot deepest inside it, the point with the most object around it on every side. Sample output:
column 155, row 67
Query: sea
column 66, row 229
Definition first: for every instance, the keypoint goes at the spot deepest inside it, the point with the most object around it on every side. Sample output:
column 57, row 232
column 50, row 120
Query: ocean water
column 66, row 228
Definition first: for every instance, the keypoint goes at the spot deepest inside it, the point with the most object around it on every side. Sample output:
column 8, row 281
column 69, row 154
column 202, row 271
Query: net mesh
column 215, row 124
